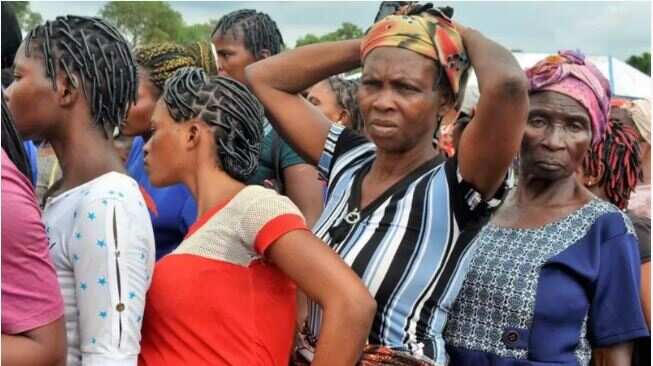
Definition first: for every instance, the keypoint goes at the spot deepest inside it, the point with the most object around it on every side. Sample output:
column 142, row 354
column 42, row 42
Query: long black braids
column 225, row 103
column 345, row 91
column 258, row 31
column 618, row 152
column 12, row 143
column 98, row 54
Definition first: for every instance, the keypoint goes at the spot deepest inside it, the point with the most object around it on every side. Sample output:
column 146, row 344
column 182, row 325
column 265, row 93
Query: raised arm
column 493, row 137
column 279, row 79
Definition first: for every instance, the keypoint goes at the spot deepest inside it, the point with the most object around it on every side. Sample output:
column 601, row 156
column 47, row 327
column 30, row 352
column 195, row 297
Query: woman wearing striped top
column 397, row 212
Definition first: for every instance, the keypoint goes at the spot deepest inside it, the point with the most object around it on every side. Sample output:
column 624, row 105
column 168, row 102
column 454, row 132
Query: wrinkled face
column 32, row 88
column 556, row 138
column 140, row 113
column 397, row 99
column 166, row 153
column 324, row 98
column 233, row 57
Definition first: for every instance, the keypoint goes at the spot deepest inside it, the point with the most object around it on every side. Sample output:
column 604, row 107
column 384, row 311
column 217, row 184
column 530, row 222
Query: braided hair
column 96, row 52
column 12, row 143
column 161, row 60
column 257, row 29
column 225, row 103
column 618, row 152
column 345, row 91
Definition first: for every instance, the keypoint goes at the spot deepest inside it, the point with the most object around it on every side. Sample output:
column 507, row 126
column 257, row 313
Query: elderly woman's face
column 556, row 138
column 397, row 98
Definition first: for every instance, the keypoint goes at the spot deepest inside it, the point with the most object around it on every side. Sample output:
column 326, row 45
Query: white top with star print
column 102, row 246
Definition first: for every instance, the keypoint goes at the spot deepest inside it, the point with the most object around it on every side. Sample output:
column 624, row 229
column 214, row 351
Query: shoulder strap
column 276, row 163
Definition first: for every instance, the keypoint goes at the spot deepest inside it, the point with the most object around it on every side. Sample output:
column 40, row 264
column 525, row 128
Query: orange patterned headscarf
column 430, row 35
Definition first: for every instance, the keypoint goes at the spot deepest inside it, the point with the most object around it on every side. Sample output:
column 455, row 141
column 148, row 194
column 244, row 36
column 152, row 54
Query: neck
column 532, row 191
column 390, row 165
column 84, row 154
column 211, row 186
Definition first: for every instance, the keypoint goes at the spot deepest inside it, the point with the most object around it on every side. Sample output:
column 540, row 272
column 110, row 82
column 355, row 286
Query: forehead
column 35, row 59
column 557, row 103
column 398, row 62
column 228, row 39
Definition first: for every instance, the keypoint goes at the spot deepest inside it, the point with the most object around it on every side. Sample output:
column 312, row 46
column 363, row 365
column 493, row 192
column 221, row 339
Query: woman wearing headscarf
column 226, row 295
column 554, row 277
column 637, row 113
column 397, row 212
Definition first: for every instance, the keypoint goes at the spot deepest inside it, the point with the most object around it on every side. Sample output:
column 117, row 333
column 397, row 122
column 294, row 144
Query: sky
column 615, row 28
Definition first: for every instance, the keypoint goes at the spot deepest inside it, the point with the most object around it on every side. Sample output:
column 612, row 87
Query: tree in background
column 27, row 18
column 346, row 31
column 641, row 63
column 144, row 21
column 196, row 32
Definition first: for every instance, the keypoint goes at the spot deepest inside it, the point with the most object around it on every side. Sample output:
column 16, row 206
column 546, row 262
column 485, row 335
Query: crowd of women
column 230, row 202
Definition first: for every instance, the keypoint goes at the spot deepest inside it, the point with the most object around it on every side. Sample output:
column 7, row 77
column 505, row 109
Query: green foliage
column 641, row 63
column 346, row 31
column 196, row 32
column 144, row 21
column 27, row 18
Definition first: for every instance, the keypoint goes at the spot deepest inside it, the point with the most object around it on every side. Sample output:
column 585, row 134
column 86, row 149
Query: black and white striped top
column 407, row 245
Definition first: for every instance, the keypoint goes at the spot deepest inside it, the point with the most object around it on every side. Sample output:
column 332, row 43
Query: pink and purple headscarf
column 569, row 73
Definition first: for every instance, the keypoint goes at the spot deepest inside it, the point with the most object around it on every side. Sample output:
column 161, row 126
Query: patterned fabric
column 429, row 35
column 569, row 73
column 102, row 247
column 406, row 247
column 500, row 308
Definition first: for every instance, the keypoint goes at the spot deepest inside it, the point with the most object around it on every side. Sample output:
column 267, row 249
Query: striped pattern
column 406, row 251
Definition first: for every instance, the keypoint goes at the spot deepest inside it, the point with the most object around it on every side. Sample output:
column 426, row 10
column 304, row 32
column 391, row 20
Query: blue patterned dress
column 547, row 296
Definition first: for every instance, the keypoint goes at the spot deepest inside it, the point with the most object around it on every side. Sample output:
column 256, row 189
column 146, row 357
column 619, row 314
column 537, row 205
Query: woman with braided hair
column 225, row 295
column 241, row 38
column 637, row 114
column 175, row 209
column 82, row 73
column 336, row 98
column 612, row 168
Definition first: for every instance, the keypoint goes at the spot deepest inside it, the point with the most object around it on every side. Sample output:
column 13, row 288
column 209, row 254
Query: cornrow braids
column 201, row 52
column 257, row 29
column 619, row 154
column 96, row 52
column 345, row 91
column 225, row 103
column 161, row 60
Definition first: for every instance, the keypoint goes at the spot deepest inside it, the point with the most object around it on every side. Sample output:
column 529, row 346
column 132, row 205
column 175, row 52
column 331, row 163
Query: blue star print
column 132, row 295
column 93, row 340
column 78, row 235
column 103, row 314
column 105, row 202
column 75, row 257
column 74, row 214
column 101, row 243
column 102, row 281
column 83, row 286
column 91, row 216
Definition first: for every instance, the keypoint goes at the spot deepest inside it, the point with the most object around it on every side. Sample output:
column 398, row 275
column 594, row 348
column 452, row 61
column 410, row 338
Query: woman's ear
column 193, row 135
column 594, row 179
column 344, row 117
column 68, row 89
